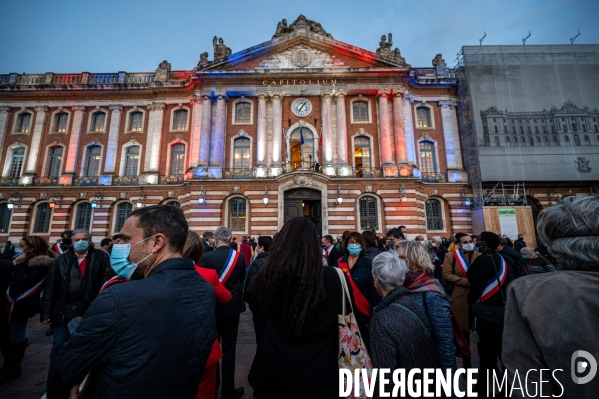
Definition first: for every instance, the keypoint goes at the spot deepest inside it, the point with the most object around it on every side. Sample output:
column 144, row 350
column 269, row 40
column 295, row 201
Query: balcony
column 434, row 177
column 46, row 181
column 238, row 173
column 86, row 181
column 125, row 181
column 367, row 172
column 9, row 181
column 171, row 179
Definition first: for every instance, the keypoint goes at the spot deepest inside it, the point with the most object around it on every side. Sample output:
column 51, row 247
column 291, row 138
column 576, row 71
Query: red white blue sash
column 58, row 249
column 226, row 271
column 438, row 259
column 325, row 253
column 461, row 261
column 492, row 285
column 28, row 293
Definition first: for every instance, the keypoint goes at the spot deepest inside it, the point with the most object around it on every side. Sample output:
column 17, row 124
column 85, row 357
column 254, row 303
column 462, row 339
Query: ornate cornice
column 447, row 104
column 156, row 106
column 276, row 94
column 5, row 110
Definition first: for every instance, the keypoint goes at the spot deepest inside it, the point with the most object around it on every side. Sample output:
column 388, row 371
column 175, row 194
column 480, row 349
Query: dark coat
column 8, row 252
column 6, row 268
column 216, row 260
column 146, row 338
column 207, row 248
column 310, row 356
column 26, row 275
column 397, row 338
column 514, row 260
column 252, row 271
column 371, row 253
column 334, row 256
column 519, row 244
column 480, row 272
column 66, row 294
column 539, row 265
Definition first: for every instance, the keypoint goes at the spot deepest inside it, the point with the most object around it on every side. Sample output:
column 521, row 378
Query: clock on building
column 301, row 107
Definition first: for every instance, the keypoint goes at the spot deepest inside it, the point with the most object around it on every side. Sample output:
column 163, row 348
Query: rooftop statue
column 385, row 49
column 438, row 61
column 301, row 23
column 203, row 58
column 220, row 50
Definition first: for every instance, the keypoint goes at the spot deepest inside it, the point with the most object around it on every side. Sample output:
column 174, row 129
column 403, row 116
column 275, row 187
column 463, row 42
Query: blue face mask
column 354, row 249
column 119, row 259
column 525, row 257
column 18, row 250
column 81, row 245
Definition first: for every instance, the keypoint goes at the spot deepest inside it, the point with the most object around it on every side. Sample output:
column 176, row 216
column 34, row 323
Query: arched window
column 42, row 218
column 122, row 211
column 507, row 141
column 131, row 160
column 241, row 153
column 243, row 112
column 5, row 214
column 538, row 140
column 23, row 122
column 180, row 120
column 546, row 139
column 423, row 117
column 576, row 140
column 428, row 164
column 301, row 155
column 531, row 141
column 176, row 204
column 434, row 216
column 237, row 210
column 97, row 124
column 83, row 217
column 91, row 165
column 515, row 140
column 497, row 143
column 555, row 140
column 136, row 121
column 360, row 111
column 54, row 161
column 362, row 152
column 16, row 162
column 368, row 213
column 587, row 140
column 567, row 139
column 60, row 122
column 178, row 159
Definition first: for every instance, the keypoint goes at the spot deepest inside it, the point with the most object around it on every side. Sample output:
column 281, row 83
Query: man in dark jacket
column 208, row 238
column 519, row 243
column 74, row 280
column 482, row 273
column 232, row 273
column 149, row 337
column 513, row 258
column 263, row 248
column 333, row 254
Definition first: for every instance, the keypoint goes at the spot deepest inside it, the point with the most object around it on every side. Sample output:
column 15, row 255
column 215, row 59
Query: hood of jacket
column 40, row 260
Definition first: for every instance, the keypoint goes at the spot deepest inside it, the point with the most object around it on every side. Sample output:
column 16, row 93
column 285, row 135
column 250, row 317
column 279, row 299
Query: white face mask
column 468, row 247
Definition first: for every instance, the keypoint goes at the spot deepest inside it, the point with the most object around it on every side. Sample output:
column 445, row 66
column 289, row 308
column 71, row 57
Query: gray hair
column 89, row 236
column 223, row 234
column 571, row 231
column 389, row 270
column 526, row 251
column 437, row 239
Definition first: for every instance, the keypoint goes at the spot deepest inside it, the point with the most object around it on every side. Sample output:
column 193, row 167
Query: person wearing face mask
column 359, row 272
column 455, row 267
column 23, row 296
column 535, row 263
column 333, row 254
column 74, row 280
column 149, row 337
column 65, row 244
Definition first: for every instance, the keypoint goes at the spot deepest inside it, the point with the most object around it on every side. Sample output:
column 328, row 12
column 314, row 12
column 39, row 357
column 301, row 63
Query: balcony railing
column 125, row 181
column 238, row 173
column 171, row 179
column 86, row 181
column 434, row 177
column 46, row 181
column 9, row 181
column 368, row 172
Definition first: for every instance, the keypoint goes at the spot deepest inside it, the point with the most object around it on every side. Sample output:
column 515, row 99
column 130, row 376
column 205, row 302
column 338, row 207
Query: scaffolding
column 504, row 194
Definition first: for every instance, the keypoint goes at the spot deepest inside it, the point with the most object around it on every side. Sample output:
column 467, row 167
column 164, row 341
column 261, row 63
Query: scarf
column 421, row 281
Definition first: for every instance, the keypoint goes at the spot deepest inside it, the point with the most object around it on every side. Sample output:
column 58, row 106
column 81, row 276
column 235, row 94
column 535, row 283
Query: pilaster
column 113, row 142
column 74, row 140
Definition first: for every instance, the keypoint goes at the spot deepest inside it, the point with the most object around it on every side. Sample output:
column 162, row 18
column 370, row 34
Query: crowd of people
column 154, row 312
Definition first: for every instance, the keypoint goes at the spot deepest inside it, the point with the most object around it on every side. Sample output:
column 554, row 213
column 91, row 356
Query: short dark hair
column 265, row 241
column 502, row 242
column 8, row 243
column 165, row 219
column 67, row 233
column 370, row 238
column 490, row 239
column 395, row 232
column 460, row 235
column 328, row 238
column 473, row 236
column 401, row 227
column 105, row 241
column 207, row 235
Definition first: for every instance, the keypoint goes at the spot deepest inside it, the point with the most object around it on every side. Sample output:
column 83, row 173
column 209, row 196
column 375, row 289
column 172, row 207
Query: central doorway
column 306, row 203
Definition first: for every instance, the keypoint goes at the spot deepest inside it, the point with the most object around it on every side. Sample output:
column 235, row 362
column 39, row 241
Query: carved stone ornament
column 56, row 140
column 156, row 106
column 116, row 108
column 2, row 196
column 82, row 196
column 19, row 142
column 164, row 66
column 123, row 195
column 361, row 131
column 301, row 23
column 42, row 196
column 171, row 194
column 95, row 141
column 425, row 136
column 368, row 189
column 302, row 180
column 242, row 133
column 301, row 56
column 236, row 189
column 385, row 49
column 5, row 110
column 435, row 192
column 41, row 108
column 178, row 137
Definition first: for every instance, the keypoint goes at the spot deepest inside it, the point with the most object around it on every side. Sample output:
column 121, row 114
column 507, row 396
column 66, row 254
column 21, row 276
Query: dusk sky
column 135, row 36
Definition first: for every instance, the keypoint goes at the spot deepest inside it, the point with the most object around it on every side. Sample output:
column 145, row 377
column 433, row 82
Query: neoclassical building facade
column 300, row 125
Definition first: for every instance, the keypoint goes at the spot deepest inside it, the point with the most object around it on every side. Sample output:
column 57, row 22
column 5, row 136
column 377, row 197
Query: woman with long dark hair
column 300, row 300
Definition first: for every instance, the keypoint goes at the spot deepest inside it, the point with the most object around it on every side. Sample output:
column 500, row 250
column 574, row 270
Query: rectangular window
column 177, row 159
column 54, row 161
column 368, row 213
column 242, row 113
column 180, row 120
column 360, row 111
column 131, row 160
column 42, row 222
column 237, row 214
column 135, row 121
column 23, row 123
column 60, row 122
column 423, row 115
column 98, row 122
column 16, row 163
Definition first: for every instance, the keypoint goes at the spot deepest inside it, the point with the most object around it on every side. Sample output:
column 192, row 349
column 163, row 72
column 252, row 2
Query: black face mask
column 324, row 246
column 67, row 241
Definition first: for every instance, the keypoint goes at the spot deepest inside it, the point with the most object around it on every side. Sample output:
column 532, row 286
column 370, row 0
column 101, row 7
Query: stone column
column 4, row 113
column 344, row 169
column 218, row 149
column 409, row 128
column 74, row 139
column 41, row 112
column 261, row 169
column 386, row 135
column 277, row 133
column 328, row 168
column 150, row 173
column 453, row 154
column 113, row 142
column 197, row 104
column 205, row 132
column 399, row 130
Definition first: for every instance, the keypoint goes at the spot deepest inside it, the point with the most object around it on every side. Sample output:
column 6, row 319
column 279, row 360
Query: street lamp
column 202, row 198
column 265, row 198
column 339, row 197
column 402, row 194
column 142, row 195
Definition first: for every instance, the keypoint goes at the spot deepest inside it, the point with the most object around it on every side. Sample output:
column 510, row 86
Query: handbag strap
column 415, row 315
column 345, row 292
column 497, row 277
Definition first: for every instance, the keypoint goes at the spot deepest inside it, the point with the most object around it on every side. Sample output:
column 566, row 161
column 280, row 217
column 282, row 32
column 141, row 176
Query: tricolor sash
column 493, row 285
column 325, row 253
column 226, row 271
column 28, row 293
column 461, row 261
column 438, row 259
column 58, row 249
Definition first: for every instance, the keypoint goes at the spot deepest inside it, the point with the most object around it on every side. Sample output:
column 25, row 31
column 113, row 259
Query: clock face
column 301, row 107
